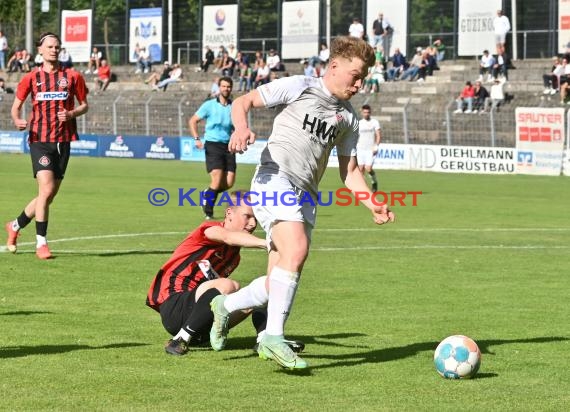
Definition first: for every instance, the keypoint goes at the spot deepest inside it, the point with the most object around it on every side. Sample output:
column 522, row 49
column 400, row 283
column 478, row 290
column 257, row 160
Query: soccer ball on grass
column 457, row 357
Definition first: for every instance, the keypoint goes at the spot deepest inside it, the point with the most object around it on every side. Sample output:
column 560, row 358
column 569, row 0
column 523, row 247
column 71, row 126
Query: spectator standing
column 465, row 97
column 356, row 29
column 502, row 26
column 103, row 76
column 3, row 50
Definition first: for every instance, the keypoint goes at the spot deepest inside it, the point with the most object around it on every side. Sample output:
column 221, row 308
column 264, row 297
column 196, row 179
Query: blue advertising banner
column 139, row 147
column 87, row 146
column 13, row 142
column 189, row 152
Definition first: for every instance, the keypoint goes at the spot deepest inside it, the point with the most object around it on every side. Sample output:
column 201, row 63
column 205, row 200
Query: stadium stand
column 408, row 111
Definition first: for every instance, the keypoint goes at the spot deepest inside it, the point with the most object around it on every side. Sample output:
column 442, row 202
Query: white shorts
column 283, row 202
column 365, row 157
column 500, row 38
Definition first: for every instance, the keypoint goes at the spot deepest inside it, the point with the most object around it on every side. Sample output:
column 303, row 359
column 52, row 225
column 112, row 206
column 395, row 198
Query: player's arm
column 16, row 111
column 242, row 135
column 233, row 238
column 354, row 180
column 193, row 126
column 377, row 139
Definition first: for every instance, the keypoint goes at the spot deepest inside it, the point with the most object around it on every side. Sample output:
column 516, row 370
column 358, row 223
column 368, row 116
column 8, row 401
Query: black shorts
column 176, row 309
column 50, row 156
column 218, row 157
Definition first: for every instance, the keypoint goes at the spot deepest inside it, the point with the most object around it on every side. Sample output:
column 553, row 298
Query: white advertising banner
column 566, row 163
column 76, row 31
column 396, row 13
column 540, row 140
column 563, row 25
column 300, row 33
column 220, row 26
column 450, row 159
column 145, row 30
column 475, row 28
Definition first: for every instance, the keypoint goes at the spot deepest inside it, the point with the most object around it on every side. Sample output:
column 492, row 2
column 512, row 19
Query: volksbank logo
column 43, row 96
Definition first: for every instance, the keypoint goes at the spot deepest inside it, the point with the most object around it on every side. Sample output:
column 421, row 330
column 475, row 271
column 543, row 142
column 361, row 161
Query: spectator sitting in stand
column 245, row 73
column 214, row 89
column 26, row 61
column 374, row 78
column 497, row 95
column 65, row 59
column 480, row 96
column 440, row 50
column 465, row 98
column 103, row 76
column 15, row 61
column 218, row 59
column 94, row 61
column 501, row 65
column 38, row 60
column 262, row 75
column 175, row 76
column 426, row 66
column 274, row 62
column 551, row 80
column 227, row 67
column 143, row 61
column 4, row 89
column 486, row 66
column 399, row 64
column 155, row 78
column 207, row 60
column 414, row 66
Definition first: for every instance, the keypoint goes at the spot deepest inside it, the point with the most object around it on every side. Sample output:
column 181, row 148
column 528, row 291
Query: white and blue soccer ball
column 457, row 357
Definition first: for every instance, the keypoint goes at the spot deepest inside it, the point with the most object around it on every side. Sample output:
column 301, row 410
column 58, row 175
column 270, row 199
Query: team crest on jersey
column 44, row 161
column 62, row 83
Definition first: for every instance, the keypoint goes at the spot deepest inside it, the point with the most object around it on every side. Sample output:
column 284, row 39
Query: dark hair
column 366, row 107
column 45, row 35
column 226, row 79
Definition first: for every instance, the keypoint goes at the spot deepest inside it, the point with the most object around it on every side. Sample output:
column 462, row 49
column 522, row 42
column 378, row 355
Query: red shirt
column 182, row 273
column 51, row 93
column 104, row 72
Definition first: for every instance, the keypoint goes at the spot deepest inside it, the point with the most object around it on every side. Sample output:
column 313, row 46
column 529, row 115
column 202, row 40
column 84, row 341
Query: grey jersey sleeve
column 346, row 145
column 285, row 90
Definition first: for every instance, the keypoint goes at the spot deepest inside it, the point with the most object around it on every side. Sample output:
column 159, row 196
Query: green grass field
column 484, row 256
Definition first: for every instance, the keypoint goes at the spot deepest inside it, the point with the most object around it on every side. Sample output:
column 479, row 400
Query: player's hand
column 21, row 124
column 199, row 144
column 240, row 140
column 64, row 115
column 382, row 214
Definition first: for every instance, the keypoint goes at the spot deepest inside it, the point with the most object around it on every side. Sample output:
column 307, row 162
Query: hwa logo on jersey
column 320, row 128
column 43, row 96
column 44, row 161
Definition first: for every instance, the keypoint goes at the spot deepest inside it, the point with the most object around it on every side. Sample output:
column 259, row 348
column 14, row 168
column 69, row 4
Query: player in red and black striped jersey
column 52, row 126
column 198, row 271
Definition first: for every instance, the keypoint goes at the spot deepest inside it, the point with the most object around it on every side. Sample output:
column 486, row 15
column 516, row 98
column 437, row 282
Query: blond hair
column 349, row 47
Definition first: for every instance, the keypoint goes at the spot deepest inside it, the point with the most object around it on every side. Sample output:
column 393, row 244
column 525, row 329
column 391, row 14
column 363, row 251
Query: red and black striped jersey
column 182, row 273
column 51, row 93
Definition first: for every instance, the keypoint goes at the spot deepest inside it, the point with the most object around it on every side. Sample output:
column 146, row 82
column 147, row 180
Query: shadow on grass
column 401, row 352
column 19, row 351
column 325, row 340
column 25, row 313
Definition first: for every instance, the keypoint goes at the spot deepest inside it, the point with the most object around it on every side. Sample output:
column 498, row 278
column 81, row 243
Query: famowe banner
column 220, row 26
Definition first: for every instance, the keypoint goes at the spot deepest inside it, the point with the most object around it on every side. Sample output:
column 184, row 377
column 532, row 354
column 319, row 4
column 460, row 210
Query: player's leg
column 259, row 320
column 372, row 174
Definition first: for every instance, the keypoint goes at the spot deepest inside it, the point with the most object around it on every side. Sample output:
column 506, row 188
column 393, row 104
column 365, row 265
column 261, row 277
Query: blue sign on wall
column 13, row 142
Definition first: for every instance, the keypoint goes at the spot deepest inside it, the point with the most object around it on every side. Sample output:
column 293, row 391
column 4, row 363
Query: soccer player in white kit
column 315, row 117
column 367, row 146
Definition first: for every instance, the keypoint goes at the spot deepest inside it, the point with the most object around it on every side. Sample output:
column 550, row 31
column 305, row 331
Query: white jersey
column 309, row 125
column 367, row 131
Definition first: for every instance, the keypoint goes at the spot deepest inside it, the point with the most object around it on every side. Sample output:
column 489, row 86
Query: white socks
column 251, row 296
column 15, row 225
column 182, row 334
column 40, row 241
column 282, row 288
